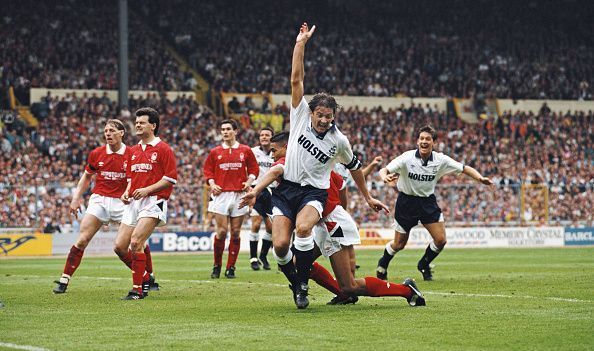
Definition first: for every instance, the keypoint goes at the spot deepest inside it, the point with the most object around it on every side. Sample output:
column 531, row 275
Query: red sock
column 126, row 258
column 377, row 287
column 138, row 265
column 149, row 259
column 233, row 251
column 73, row 260
column 219, row 247
column 320, row 275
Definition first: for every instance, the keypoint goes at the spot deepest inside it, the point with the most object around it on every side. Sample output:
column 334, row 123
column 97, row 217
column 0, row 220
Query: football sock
column 266, row 244
column 322, row 277
column 430, row 253
column 387, row 256
column 72, row 262
column 233, row 251
column 253, row 249
column 149, row 259
column 126, row 258
column 287, row 266
column 219, row 247
column 377, row 287
column 138, row 271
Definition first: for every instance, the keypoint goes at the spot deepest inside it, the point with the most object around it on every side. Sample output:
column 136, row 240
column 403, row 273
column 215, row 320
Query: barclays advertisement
column 579, row 236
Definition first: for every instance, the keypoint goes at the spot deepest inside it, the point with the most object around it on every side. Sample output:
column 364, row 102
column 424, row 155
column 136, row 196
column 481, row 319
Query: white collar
column 234, row 146
column 152, row 143
column 121, row 151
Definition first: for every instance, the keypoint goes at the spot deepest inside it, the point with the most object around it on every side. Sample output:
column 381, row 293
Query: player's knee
column 120, row 251
column 302, row 230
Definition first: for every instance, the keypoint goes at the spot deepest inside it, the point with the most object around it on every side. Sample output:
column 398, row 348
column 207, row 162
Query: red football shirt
column 150, row 163
column 231, row 166
column 336, row 183
column 110, row 168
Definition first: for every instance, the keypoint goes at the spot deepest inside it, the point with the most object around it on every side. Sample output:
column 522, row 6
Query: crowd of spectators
column 501, row 49
column 40, row 167
column 74, row 44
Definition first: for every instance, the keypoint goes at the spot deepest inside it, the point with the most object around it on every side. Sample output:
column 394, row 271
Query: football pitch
column 481, row 299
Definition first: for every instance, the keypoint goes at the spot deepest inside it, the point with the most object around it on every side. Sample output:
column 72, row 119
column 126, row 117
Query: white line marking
column 22, row 347
column 440, row 293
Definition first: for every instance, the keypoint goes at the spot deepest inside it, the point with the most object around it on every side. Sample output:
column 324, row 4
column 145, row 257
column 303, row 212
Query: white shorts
column 227, row 204
column 336, row 230
column 148, row 207
column 106, row 209
column 397, row 227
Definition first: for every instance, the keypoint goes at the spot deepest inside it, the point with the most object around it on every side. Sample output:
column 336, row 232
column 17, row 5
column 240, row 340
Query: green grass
column 490, row 299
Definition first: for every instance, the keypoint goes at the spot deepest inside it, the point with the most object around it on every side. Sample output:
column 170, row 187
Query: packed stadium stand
column 453, row 50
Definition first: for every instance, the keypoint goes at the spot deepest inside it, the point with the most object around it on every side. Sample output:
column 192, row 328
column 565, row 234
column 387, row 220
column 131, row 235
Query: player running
column 418, row 172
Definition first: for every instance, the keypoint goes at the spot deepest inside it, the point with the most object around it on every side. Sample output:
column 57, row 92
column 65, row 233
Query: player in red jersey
column 108, row 164
column 151, row 173
column 335, row 236
column 230, row 169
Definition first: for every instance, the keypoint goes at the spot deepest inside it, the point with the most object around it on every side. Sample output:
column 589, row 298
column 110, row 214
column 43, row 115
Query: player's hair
column 117, row 124
column 153, row 116
column 324, row 100
column 232, row 122
column 427, row 129
column 282, row 137
column 268, row 129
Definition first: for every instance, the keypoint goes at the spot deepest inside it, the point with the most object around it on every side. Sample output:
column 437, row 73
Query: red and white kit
column 110, row 182
column 148, row 164
column 230, row 167
column 337, row 226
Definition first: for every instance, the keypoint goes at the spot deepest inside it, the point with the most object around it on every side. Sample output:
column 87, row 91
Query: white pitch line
column 551, row 298
column 22, row 347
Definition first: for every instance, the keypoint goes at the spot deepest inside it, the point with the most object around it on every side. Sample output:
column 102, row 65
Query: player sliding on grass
column 108, row 164
column 419, row 170
column 335, row 237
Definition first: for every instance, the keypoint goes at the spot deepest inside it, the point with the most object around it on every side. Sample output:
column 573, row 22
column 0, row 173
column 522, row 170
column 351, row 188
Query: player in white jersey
column 315, row 145
column 262, row 205
column 418, row 172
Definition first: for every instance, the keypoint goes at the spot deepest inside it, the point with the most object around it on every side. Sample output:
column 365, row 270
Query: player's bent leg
column 122, row 244
column 89, row 227
column 392, row 247
column 234, row 245
column 438, row 233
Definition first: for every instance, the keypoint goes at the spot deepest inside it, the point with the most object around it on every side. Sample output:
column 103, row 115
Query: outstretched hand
column 377, row 205
column 305, row 33
column 486, row 181
column 249, row 199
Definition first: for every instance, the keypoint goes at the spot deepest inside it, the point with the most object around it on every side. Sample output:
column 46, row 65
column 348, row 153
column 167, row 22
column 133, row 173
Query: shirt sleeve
column 253, row 169
column 396, row 165
column 209, row 165
column 346, row 156
column 449, row 165
column 169, row 166
column 91, row 166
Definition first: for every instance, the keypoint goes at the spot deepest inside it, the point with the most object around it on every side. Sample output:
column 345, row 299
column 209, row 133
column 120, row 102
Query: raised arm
column 298, row 70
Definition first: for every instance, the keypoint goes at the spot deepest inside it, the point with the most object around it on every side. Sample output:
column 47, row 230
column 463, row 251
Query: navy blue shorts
column 412, row 209
column 291, row 197
column 263, row 203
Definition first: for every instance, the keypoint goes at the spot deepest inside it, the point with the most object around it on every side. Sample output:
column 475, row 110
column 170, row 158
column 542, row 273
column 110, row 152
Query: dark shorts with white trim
column 409, row 210
column 289, row 198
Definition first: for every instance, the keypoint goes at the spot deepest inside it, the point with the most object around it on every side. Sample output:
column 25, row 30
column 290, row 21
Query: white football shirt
column 265, row 161
column 418, row 178
column 310, row 156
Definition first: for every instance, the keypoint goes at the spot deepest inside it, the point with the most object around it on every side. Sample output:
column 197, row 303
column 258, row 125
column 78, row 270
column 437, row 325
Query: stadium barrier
column 26, row 244
column 36, row 244
column 475, row 237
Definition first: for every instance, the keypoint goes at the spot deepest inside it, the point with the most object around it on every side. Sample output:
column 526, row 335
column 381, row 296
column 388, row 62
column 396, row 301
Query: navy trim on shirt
column 425, row 162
